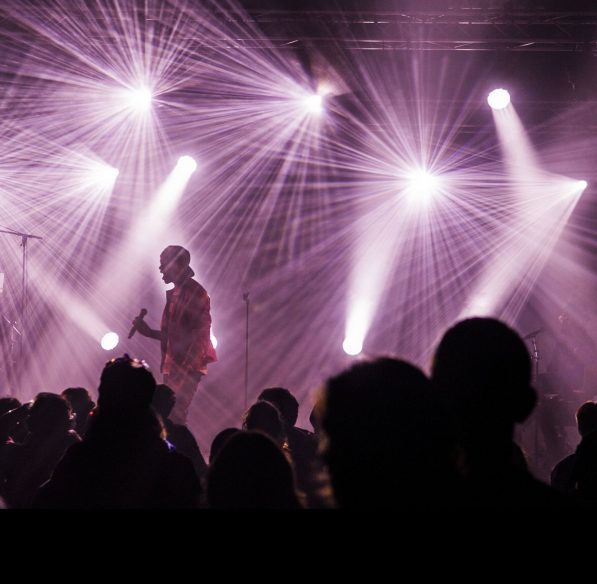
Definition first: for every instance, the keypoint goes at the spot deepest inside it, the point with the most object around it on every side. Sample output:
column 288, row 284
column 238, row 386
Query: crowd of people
column 385, row 436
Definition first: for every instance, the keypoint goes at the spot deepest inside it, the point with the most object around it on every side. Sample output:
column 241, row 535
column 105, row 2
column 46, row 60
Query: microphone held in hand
column 134, row 328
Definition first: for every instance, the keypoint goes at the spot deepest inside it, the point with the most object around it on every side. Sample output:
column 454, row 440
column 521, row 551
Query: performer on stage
column 185, row 330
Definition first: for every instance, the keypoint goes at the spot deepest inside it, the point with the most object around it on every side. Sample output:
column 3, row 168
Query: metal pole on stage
column 535, row 358
column 246, row 299
column 25, row 237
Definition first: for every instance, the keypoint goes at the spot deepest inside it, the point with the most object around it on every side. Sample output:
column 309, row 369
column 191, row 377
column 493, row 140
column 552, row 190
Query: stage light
column 314, row 103
column 352, row 346
column 109, row 341
column 422, row 185
column 103, row 175
column 139, row 99
column 481, row 305
column 575, row 188
column 498, row 99
column 186, row 165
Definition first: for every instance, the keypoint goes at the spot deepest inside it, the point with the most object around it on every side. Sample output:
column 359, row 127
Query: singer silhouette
column 185, row 329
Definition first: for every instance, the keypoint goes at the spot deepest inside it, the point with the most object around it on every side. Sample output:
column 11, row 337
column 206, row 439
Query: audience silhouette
column 220, row 439
column 25, row 466
column 178, row 435
column 123, row 461
column 301, row 443
column 251, row 472
column 81, row 404
column 265, row 417
column 577, row 473
column 386, row 439
column 482, row 370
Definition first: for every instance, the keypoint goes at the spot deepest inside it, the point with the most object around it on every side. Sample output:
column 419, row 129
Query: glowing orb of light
column 140, row 99
column 575, row 188
column 314, row 103
column 422, row 185
column 352, row 346
column 186, row 165
column 109, row 341
column 498, row 99
column 103, row 175
column 481, row 305
column 214, row 341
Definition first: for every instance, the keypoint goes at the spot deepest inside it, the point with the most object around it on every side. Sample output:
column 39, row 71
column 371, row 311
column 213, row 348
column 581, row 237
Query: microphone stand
column 25, row 237
column 246, row 299
column 8, row 334
column 535, row 357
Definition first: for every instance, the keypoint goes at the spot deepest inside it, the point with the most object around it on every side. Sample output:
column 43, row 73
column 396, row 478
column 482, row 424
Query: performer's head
column 174, row 264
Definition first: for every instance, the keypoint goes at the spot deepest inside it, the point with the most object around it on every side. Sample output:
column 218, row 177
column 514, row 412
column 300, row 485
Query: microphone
column 134, row 328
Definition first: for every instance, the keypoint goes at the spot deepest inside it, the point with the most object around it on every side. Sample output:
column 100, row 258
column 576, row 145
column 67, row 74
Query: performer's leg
column 184, row 387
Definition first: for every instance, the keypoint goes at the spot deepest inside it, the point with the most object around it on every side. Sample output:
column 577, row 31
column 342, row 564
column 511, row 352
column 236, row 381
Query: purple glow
column 375, row 211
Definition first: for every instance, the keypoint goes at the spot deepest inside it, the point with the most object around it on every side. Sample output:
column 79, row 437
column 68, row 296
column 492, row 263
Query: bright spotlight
column 481, row 305
column 214, row 341
column 574, row 188
column 109, row 341
column 140, row 99
column 422, row 185
column 498, row 99
column 314, row 103
column 352, row 346
column 186, row 165
column 103, row 175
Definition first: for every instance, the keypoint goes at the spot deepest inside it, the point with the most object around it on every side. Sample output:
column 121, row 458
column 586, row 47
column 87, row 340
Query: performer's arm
column 144, row 329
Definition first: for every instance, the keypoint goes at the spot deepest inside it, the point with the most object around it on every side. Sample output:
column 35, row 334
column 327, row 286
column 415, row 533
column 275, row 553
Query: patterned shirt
column 186, row 327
